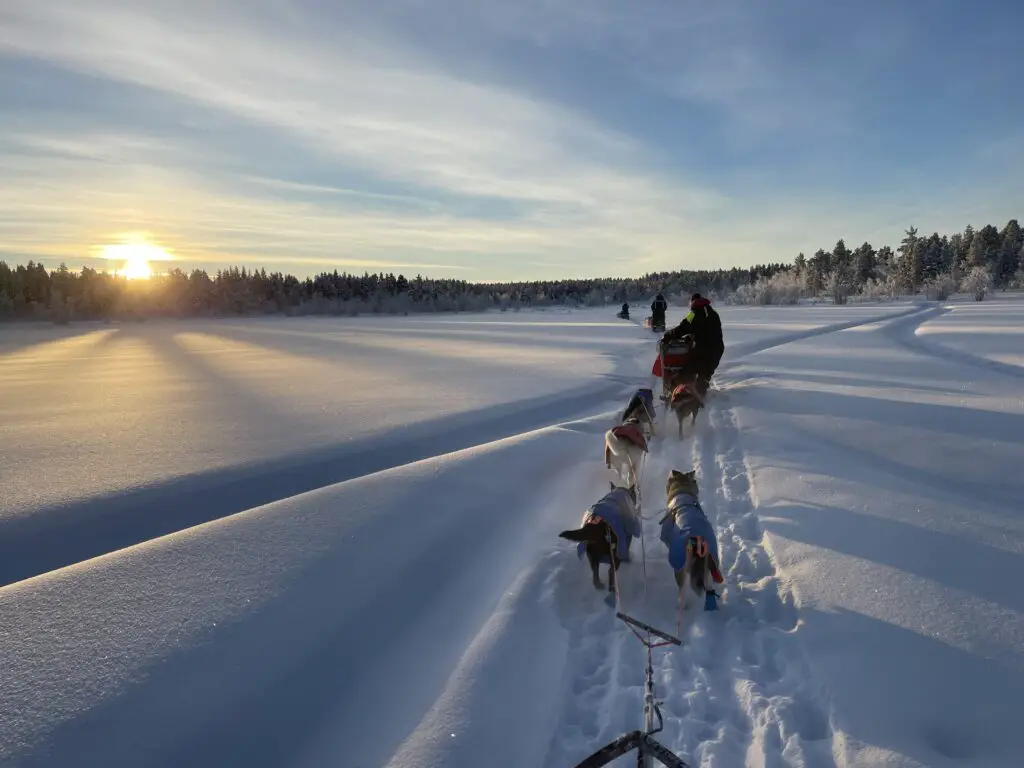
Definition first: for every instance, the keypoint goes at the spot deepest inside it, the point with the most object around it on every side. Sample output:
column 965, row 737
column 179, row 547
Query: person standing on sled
column 658, row 308
column 704, row 324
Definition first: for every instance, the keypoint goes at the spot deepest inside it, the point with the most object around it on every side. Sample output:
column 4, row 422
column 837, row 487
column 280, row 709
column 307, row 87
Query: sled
column 647, row 748
column 657, row 327
column 673, row 365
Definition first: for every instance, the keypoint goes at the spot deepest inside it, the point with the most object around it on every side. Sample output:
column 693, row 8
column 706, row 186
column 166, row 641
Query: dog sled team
column 688, row 356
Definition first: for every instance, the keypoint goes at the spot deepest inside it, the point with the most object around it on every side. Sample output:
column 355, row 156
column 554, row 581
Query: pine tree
column 1009, row 249
column 910, row 260
column 866, row 264
column 841, row 276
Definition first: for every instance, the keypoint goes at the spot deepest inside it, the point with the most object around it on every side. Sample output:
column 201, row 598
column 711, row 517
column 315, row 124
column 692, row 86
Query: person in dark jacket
column 704, row 324
column 658, row 308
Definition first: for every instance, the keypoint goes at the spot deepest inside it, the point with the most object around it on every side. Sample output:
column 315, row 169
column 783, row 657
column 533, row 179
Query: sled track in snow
column 58, row 536
column 95, row 526
column 739, row 684
column 759, row 661
column 903, row 331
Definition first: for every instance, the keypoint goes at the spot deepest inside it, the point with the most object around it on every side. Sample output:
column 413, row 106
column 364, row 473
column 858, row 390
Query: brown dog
column 690, row 538
column 685, row 402
column 607, row 530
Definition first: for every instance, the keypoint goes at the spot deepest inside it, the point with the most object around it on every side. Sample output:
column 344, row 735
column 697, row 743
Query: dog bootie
column 710, row 601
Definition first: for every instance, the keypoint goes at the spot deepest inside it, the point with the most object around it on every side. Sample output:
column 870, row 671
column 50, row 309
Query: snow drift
column 401, row 597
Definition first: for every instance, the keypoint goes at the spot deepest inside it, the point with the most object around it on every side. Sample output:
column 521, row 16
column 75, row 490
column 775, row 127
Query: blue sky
column 488, row 139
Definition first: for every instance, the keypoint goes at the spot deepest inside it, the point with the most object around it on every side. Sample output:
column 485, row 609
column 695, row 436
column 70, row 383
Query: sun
column 135, row 258
column 136, row 268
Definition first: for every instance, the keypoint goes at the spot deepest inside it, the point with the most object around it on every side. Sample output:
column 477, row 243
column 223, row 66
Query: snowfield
column 318, row 542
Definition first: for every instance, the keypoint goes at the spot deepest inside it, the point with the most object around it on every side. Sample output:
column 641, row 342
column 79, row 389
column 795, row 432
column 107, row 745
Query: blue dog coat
column 643, row 396
column 687, row 521
column 618, row 510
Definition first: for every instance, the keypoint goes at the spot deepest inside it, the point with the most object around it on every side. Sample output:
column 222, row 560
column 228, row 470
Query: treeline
column 975, row 261
column 30, row 291
column 972, row 261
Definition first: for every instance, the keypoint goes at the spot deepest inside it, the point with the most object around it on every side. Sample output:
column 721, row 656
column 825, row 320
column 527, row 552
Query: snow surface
column 323, row 541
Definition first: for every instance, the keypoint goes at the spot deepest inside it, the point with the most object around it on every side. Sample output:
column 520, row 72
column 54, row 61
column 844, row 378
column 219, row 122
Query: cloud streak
column 301, row 133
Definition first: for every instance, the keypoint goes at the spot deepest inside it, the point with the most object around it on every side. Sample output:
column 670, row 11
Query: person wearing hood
column 658, row 308
column 704, row 324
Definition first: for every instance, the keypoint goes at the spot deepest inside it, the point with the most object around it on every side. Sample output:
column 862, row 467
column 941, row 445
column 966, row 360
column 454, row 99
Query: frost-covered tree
column 783, row 287
column 939, row 288
column 978, row 283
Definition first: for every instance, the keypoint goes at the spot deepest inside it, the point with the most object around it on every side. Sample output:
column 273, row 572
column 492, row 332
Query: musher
column 704, row 324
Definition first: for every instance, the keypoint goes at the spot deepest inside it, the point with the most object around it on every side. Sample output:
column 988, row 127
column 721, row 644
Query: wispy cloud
column 540, row 139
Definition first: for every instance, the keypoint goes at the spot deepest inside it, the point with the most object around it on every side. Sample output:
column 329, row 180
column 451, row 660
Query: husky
column 690, row 539
column 607, row 530
column 685, row 402
column 624, row 449
column 641, row 408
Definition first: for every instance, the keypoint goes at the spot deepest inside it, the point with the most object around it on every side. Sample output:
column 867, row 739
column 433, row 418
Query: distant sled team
column 687, row 358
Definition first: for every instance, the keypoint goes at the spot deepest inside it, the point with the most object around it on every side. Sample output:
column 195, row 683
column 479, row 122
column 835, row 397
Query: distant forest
column 975, row 261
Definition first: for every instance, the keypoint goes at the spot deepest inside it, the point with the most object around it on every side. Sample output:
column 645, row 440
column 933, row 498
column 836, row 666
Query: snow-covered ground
column 334, row 541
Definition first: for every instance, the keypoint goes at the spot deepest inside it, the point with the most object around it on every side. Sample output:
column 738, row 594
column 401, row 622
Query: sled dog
column 685, row 402
column 641, row 408
column 607, row 530
column 624, row 449
column 690, row 539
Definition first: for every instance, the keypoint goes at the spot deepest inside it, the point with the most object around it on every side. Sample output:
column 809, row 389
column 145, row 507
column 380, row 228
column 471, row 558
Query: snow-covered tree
column 977, row 283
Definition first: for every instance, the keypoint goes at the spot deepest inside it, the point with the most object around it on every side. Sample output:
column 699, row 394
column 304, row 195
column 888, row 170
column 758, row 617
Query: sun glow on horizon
column 135, row 257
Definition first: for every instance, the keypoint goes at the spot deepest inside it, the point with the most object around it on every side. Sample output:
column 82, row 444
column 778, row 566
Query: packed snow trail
column 738, row 691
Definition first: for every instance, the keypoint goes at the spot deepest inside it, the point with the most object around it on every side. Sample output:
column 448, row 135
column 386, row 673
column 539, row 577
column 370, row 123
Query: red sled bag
column 677, row 357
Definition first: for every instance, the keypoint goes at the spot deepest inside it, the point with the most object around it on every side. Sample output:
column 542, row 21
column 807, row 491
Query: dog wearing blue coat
column 607, row 530
column 690, row 539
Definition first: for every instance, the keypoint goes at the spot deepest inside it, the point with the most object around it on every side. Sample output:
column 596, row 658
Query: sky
column 492, row 140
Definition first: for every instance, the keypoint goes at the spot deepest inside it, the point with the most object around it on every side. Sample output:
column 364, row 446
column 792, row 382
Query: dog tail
column 578, row 534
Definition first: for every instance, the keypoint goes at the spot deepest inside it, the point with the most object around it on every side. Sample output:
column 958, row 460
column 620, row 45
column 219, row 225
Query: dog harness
column 616, row 509
column 632, row 432
column 686, row 520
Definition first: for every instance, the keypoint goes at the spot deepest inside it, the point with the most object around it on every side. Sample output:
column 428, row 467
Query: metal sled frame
column 647, row 748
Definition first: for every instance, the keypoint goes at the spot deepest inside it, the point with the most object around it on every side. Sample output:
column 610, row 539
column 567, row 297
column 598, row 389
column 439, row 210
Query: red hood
column 698, row 303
